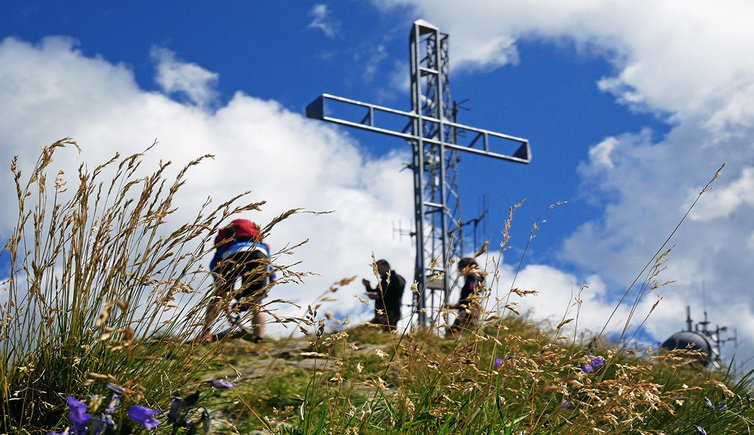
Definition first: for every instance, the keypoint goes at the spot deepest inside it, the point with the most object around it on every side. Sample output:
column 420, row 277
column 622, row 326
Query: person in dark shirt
column 387, row 296
column 468, row 306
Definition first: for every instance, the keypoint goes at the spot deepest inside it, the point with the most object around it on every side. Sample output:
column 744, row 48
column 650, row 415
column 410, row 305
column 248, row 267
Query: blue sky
column 629, row 107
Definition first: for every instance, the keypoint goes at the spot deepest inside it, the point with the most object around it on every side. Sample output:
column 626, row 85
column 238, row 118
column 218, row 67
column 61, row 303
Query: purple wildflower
column 497, row 362
column 700, row 430
column 221, row 384
column 115, row 388
column 144, row 416
column 565, row 404
column 595, row 362
column 77, row 411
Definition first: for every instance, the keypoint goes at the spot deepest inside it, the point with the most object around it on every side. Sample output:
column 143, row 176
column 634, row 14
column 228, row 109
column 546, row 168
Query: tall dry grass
column 104, row 285
column 504, row 375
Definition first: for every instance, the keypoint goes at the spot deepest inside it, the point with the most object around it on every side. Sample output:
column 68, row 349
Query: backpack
column 235, row 237
column 242, row 230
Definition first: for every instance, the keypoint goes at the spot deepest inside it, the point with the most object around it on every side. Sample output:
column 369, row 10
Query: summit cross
column 436, row 138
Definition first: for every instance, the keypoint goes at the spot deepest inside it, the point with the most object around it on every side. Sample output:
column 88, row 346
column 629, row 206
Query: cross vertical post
column 430, row 99
column 431, row 128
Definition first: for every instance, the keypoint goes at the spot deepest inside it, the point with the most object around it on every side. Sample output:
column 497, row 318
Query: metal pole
column 418, row 172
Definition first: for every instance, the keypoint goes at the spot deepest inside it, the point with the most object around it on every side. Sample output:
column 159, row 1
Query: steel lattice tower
column 432, row 130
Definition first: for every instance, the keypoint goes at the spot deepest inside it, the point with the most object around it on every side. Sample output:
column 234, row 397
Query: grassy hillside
column 508, row 377
column 96, row 335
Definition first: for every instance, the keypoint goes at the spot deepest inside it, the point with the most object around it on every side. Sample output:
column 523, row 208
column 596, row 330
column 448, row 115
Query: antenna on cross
column 400, row 231
column 432, row 130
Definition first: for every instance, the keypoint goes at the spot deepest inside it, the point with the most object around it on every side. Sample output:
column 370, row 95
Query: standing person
column 468, row 306
column 239, row 253
column 387, row 296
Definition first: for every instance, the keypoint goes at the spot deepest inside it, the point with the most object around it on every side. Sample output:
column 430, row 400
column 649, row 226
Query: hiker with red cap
column 239, row 254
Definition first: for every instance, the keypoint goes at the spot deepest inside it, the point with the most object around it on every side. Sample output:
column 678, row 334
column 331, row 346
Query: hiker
column 387, row 296
column 239, row 253
column 468, row 305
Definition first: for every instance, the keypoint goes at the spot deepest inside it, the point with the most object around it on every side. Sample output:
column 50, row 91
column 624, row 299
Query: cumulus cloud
column 672, row 59
column 676, row 61
column 321, row 20
column 561, row 295
column 676, row 56
column 600, row 153
column 189, row 80
column 724, row 202
column 51, row 90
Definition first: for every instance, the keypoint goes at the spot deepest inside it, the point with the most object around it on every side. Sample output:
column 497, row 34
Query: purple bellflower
column 77, row 411
column 144, row 416
column 221, row 384
column 595, row 362
column 78, row 416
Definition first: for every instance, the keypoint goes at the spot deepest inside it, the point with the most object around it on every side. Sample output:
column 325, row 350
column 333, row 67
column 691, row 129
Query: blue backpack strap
column 244, row 246
column 240, row 246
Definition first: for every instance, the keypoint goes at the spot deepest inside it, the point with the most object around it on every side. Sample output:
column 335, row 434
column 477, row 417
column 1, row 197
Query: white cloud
column 320, row 15
column 187, row 79
column 374, row 61
column 50, row 90
column 672, row 59
column 600, row 153
column 723, row 202
column 676, row 55
column 400, row 77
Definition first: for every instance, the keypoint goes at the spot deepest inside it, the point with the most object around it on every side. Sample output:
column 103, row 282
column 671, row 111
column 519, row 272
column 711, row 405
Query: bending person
column 240, row 254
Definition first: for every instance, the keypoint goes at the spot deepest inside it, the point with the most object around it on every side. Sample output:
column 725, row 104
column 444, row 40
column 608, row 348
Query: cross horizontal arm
column 401, row 124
